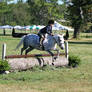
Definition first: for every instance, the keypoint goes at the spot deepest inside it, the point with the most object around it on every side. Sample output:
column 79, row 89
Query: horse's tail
column 20, row 43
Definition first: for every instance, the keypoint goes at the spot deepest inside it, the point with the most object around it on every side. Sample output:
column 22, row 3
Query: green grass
column 57, row 80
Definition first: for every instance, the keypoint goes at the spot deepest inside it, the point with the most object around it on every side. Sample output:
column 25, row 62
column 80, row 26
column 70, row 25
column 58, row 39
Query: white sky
column 59, row 1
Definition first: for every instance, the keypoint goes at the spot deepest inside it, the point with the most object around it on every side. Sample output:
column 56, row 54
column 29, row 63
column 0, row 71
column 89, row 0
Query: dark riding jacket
column 43, row 31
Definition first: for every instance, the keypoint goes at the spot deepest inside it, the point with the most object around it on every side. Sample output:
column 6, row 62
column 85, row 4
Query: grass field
column 57, row 80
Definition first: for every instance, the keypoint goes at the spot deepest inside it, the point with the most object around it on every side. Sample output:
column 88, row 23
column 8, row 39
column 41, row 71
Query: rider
column 47, row 29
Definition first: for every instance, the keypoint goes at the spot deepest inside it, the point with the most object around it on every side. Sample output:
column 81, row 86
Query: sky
column 59, row 1
column 15, row 1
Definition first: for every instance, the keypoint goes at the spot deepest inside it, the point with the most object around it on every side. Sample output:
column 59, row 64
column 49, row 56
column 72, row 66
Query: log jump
column 22, row 62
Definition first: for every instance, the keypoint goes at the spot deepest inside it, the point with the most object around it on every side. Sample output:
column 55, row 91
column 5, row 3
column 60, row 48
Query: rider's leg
column 42, row 39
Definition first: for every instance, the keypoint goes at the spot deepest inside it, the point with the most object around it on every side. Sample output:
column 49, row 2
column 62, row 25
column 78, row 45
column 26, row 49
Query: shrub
column 4, row 66
column 74, row 61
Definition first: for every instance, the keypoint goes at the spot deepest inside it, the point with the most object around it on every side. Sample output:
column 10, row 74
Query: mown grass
column 51, row 80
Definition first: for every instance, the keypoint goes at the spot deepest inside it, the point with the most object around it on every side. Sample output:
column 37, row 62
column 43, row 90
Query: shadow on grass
column 80, row 43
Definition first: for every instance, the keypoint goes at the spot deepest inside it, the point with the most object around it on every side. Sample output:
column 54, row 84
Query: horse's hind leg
column 28, row 50
column 22, row 49
column 25, row 46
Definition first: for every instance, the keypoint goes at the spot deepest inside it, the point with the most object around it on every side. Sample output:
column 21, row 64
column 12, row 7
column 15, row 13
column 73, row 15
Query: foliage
column 78, row 15
column 42, row 10
column 74, row 61
column 14, row 14
column 21, row 14
column 4, row 66
column 4, row 9
column 32, row 12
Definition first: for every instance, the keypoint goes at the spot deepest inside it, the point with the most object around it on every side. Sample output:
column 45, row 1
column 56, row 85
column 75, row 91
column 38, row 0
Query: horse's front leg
column 51, row 55
column 58, row 53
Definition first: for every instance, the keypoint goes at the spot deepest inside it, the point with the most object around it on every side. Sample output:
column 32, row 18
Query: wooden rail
column 32, row 55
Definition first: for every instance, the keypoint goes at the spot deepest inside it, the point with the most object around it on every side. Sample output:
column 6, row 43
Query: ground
column 51, row 80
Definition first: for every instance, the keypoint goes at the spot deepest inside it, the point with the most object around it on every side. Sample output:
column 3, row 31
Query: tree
column 4, row 10
column 77, row 16
column 43, row 10
column 14, row 14
column 21, row 14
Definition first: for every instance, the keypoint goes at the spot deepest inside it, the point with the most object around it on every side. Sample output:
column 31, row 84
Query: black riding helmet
column 51, row 22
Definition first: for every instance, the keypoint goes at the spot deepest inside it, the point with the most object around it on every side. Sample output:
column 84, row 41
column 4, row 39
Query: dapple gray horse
column 31, row 41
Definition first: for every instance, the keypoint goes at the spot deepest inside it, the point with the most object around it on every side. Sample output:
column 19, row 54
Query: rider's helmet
column 51, row 22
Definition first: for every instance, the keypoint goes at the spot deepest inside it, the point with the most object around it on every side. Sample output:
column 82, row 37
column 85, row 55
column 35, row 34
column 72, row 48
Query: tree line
column 40, row 11
column 31, row 12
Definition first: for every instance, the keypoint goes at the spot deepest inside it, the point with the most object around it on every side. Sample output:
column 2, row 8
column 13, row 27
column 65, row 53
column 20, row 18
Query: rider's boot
column 41, row 43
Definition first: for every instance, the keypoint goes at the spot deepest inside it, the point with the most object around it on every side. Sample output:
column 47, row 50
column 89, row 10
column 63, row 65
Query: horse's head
column 60, row 41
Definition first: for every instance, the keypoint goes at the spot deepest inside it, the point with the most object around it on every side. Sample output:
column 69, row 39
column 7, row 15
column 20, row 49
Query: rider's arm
column 49, row 30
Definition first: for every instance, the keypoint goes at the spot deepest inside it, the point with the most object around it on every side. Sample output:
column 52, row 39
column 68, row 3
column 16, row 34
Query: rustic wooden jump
column 32, row 55
column 23, row 62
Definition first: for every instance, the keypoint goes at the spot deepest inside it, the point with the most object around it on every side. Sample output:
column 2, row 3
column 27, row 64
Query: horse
column 31, row 41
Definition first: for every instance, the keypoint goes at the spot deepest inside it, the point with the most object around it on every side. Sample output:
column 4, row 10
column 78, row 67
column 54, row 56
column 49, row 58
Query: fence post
column 66, row 49
column 3, row 51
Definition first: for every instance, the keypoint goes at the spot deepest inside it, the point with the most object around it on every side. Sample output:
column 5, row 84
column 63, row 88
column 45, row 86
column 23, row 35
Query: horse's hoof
column 55, row 58
column 52, row 63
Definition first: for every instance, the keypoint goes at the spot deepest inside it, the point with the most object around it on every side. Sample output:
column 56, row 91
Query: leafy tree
column 43, row 10
column 4, row 9
column 77, row 16
column 14, row 14
column 33, row 12
column 21, row 14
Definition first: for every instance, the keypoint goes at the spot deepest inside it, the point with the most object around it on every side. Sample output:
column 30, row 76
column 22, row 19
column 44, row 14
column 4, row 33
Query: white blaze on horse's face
column 61, row 41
